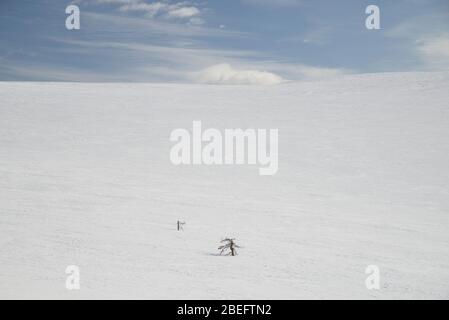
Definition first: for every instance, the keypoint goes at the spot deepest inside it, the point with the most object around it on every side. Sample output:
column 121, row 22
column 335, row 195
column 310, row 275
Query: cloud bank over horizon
column 224, row 73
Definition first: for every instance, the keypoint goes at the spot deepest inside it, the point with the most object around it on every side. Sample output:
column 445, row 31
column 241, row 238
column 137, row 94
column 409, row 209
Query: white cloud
column 179, row 10
column 183, row 12
column 151, row 9
column 225, row 74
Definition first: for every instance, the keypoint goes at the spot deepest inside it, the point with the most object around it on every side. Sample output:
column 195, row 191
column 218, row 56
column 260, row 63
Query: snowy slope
column 85, row 179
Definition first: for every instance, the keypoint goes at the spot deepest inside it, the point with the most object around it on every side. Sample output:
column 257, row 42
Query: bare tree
column 229, row 245
column 179, row 225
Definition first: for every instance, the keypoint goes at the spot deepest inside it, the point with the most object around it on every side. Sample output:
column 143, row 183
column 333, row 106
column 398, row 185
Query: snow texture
column 86, row 180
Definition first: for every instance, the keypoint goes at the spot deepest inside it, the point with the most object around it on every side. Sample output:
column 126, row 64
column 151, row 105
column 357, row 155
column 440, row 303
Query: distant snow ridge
column 224, row 73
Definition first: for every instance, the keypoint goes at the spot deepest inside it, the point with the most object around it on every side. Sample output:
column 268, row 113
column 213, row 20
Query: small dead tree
column 229, row 247
column 179, row 225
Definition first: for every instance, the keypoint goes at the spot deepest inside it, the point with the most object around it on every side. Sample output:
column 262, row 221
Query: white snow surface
column 86, row 180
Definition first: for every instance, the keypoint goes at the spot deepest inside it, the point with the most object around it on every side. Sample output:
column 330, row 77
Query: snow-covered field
column 86, row 179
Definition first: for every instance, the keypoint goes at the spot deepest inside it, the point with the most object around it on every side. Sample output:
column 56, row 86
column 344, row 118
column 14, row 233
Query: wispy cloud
column 142, row 26
column 427, row 37
column 172, row 63
column 148, row 62
column 184, row 11
column 435, row 51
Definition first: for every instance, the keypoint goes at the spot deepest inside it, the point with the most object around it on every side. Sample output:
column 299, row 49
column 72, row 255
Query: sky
column 219, row 41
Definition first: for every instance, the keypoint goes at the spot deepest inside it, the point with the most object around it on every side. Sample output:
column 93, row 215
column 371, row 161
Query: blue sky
column 143, row 40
